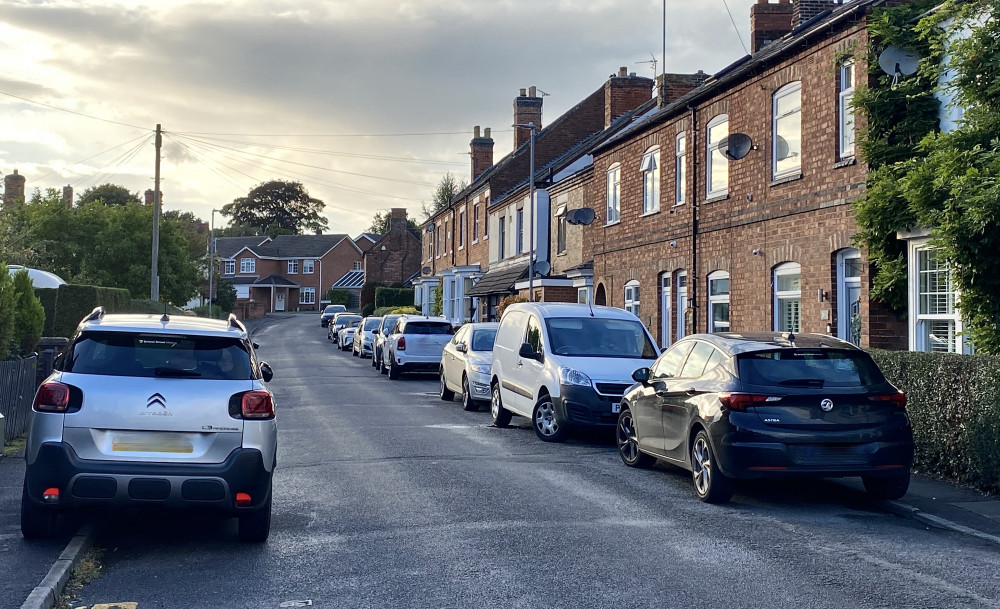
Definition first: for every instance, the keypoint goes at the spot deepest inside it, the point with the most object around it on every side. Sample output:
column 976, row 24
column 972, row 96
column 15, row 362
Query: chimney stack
column 481, row 149
column 13, row 189
column 527, row 109
column 625, row 92
column 149, row 196
column 397, row 217
column 68, row 196
column 804, row 10
column 675, row 86
column 770, row 21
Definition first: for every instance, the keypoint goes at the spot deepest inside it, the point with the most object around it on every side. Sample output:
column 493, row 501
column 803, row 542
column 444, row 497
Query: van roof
column 570, row 309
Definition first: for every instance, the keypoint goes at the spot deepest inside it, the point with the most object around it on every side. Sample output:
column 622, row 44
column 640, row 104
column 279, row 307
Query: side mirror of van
column 527, row 352
column 641, row 376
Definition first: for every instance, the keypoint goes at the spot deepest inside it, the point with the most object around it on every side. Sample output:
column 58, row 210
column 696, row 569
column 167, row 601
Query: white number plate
column 616, row 407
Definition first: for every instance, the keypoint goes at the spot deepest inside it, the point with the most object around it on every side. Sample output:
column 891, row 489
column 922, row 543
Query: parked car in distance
column 329, row 312
column 565, row 365
column 365, row 336
column 465, row 364
column 415, row 344
column 345, row 337
column 338, row 323
column 378, row 347
column 767, row 405
column 153, row 411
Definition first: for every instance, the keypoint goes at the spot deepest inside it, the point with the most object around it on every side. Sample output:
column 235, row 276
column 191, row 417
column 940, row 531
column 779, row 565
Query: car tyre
column 255, row 527
column 393, row 370
column 710, row 484
column 445, row 394
column 545, row 421
column 467, row 402
column 892, row 487
column 500, row 416
column 381, row 367
column 628, row 442
column 36, row 522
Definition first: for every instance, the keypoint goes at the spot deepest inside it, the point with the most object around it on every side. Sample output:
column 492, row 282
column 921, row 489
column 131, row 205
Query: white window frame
column 666, row 319
column 716, row 278
column 293, row 267
column 308, row 266
column 680, row 168
column 583, row 295
column 461, row 229
column 307, row 296
column 562, row 227
column 248, row 265
column 519, row 231
column 502, row 239
column 680, row 281
column 614, row 182
column 846, row 284
column 781, row 297
column 632, row 297
column 357, row 265
column 230, row 267
column 650, row 169
column 790, row 117
column 475, row 223
column 955, row 342
column 714, row 155
column 845, row 112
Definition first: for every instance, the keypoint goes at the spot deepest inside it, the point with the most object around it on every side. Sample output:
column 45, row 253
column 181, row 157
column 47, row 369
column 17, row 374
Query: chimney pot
column 475, row 131
column 623, row 71
column 487, row 133
column 531, row 91
column 523, row 92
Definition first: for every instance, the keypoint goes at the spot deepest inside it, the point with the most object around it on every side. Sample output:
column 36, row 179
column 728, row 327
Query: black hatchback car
column 767, row 405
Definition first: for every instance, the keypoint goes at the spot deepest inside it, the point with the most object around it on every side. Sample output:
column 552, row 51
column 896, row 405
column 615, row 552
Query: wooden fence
column 17, row 391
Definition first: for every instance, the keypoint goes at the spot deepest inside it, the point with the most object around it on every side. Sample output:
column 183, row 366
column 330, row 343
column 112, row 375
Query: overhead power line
column 93, row 156
column 333, row 134
column 96, row 118
column 735, row 27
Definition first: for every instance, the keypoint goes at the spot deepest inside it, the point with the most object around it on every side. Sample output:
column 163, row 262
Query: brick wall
column 400, row 259
column 769, row 22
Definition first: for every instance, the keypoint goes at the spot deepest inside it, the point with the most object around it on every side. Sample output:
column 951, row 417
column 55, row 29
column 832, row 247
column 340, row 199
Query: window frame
column 303, row 292
column 230, row 267
column 632, row 297
column 561, row 230
column 918, row 319
column 680, row 168
column 519, row 231
column 248, row 265
column 844, row 285
column 461, row 228
column 293, row 267
column 718, row 299
column 308, row 266
column 612, row 211
column 845, row 113
column 649, row 168
column 792, row 88
column 781, row 296
column 711, row 149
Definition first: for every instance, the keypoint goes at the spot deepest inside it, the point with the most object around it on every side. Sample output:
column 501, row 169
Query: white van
column 565, row 365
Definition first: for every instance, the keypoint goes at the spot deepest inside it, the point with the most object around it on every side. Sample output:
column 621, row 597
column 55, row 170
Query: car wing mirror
column 256, row 346
column 641, row 376
column 265, row 372
column 461, row 348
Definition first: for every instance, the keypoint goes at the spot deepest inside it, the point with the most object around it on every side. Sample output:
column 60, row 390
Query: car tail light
column 740, row 401
column 897, row 399
column 401, row 344
column 257, row 405
column 51, row 495
column 243, row 500
column 52, row 397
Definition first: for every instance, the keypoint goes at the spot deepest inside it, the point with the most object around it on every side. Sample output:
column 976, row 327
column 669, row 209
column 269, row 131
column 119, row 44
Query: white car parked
column 364, row 337
column 416, row 343
column 565, row 365
column 465, row 364
column 345, row 336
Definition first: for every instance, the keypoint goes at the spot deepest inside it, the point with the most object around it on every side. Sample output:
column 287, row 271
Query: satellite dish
column 896, row 62
column 736, row 146
column 780, row 148
column 542, row 267
column 584, row 216
column 426, row 270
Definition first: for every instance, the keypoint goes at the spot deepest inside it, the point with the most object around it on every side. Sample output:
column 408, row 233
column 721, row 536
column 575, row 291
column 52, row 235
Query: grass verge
column 85, row 572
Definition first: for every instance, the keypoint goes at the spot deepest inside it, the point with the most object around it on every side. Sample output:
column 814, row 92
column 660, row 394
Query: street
column 385, row 496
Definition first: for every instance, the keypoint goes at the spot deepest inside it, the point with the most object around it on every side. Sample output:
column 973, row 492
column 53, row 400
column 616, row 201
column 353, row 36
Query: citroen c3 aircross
column 149, row 411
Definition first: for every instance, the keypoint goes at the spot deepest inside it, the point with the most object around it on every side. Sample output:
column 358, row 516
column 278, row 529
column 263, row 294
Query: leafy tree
column 278, row 207
column 29, row 315
column 109, row 194
column 380, row 223
column 444, row 194
column 7, row 312
column 437, row 305
column 225, row 296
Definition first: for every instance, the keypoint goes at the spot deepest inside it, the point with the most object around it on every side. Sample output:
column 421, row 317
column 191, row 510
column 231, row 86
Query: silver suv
column 147, row 411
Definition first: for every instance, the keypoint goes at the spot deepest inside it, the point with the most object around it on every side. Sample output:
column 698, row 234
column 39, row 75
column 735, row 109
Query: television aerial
column 897, row 62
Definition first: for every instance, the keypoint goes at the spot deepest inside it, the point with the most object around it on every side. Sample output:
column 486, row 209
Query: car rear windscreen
column 427, row 327
column 808, row 368
column 158, row 355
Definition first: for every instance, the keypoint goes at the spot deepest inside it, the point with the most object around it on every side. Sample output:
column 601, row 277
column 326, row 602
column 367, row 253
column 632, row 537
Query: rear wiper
column 175, row 372
column 801, row 382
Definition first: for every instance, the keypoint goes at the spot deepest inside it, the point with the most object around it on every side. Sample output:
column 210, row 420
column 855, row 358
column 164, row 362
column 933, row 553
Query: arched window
column 718, row 301
column 717, row 166
column 632, row 297
column 788, row 297
column 786, row 127
column 650, row 168
column 614, row 194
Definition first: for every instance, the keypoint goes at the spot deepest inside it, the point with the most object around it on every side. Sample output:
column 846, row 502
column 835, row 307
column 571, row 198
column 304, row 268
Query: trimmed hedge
column 383, row 311
column 394, row 297
column 73, row 302
column 954, row 406
column 341, row 297
column 48, row 297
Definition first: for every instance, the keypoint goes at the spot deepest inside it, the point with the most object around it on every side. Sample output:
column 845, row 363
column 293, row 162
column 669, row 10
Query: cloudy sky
column 367, row 102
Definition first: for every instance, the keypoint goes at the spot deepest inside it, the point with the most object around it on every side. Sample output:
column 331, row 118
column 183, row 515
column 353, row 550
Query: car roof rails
column 235, row 323
column 96, row 315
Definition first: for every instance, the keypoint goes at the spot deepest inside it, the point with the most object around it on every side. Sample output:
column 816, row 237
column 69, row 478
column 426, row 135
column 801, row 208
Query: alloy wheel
column 701, row 466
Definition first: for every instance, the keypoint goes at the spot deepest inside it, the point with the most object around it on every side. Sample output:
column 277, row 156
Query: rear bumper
column 117, row 484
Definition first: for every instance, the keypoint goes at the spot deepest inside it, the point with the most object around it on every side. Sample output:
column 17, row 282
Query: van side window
column 534, row 335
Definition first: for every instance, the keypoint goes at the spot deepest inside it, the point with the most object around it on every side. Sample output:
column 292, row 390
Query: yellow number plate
column 151, row 443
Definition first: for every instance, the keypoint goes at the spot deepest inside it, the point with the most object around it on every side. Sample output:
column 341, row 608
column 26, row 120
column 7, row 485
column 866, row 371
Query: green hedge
column 73, row 302
column 393, row 297
column 341, row 297
column 48, row 297
column 383, row 311
column 954, row 405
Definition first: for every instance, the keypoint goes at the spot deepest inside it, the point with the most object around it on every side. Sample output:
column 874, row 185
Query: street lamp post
column 531, row 209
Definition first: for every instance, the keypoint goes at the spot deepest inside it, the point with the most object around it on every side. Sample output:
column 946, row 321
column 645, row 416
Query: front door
column 279, row 301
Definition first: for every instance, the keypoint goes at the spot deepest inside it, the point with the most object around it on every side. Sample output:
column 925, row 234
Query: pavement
column 32, row 574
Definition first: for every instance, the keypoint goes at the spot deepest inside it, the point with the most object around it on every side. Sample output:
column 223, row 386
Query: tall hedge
column 47, row 296
column 393, row 297
column 75, row 301
column 954, row 406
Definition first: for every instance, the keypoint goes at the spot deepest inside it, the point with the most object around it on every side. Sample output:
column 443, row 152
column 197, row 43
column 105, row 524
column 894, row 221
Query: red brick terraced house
column 729, row 208
column 287, row 273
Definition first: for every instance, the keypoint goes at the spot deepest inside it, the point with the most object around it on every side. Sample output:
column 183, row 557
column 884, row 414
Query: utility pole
column 531, row 209
column 154, row 289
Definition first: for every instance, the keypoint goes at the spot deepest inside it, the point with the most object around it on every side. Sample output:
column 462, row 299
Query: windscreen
column 427, row 327
column 599, row 337
column 162, row 355
column 371, row 324
column 808, row 368
column 346, row 320
column 482, row 340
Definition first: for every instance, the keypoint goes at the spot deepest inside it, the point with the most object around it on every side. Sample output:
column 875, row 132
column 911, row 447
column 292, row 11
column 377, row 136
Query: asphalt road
column 387, row 497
